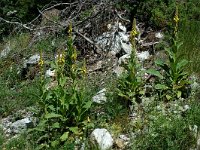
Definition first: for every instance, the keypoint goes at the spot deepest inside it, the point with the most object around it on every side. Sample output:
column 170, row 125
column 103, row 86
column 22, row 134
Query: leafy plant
column 65, row 107
column 173, row 79
column 131, row 84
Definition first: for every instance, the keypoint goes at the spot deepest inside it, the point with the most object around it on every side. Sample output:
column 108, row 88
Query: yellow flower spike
column 84, row 69
column 73, row 67
column 176, row 20
column 133, row 33
column 74, row 55
column 63, row 57
column 70, row 29
column 41, row 62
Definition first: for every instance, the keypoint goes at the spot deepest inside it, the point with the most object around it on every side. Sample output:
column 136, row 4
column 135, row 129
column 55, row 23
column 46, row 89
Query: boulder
column 20, row 125
column 102, row 138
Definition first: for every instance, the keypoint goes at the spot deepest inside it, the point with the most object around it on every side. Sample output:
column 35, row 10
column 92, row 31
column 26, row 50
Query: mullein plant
column 64, row 108
column 173, row 80
column 130, row 85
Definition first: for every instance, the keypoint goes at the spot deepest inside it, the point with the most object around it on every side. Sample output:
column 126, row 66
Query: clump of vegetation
column 167, row 119
column 130, row 84
column 64, row 109
column 173, row 79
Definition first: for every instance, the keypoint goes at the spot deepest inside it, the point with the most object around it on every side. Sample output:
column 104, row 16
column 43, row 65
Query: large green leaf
column 161, row 87
column 87, row 105
column 55, row 143
column 52, row 115
column 56, row 125
column 181, row 64
column 65, row 136
column 154, row 72
column 74, row 130
column 159, row 62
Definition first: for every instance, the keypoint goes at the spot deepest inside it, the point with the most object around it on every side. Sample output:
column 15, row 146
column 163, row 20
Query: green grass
column 17, row 98
column 189, row 34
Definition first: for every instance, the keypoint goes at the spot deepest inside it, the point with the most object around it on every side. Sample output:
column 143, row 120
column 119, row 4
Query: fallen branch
column 16, row 23
column 89, row 40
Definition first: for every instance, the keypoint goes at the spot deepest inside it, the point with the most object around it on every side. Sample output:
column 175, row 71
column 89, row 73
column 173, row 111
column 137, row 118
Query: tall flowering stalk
column 133, row 34
column 176, row 20
column 133, row 60
column 130, row 85
column 173, row 80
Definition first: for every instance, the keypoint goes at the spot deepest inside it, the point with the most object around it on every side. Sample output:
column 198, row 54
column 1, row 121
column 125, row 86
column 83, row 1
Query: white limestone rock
column 142, row 56
column 20, row 125
column 33, row 60
column 5, row 51
column 103, row 138
column 50, row 73
column 127, row 48
column 100, row 97
column 123, row 59
column 159, row 35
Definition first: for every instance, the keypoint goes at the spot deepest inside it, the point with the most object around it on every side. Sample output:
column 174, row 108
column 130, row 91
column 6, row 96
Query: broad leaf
column 54, row 143
column 179, row 94
column 56, row 125
column 154, row 72
column 168, row 97
column 88, row 105
column 74, row 130
column 182, row 63
column 52, row 115
column 65, row 136
column 161, row 87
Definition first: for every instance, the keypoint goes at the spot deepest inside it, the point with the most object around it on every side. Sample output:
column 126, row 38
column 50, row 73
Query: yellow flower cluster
column 70, row 29
column 176, row 20
column 133, row 33
column 41, row 61
column 74, row 55
column 61, row 58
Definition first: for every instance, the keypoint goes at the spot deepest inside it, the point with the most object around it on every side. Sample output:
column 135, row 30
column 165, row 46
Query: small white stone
column 124, row 37
column 109, row 26
column 159, row 35
column 186, row 107
column 123, row 59
column 121, row 27
column 50, row 73
column 19, row 125
column 100, row 97
column 5, row 51
column 142, row 56
column 126, row 47
column 33, row 59
column 103, row 138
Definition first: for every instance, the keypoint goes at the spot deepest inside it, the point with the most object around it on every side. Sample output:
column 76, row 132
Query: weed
column 130, row 84
column 174, row 80
column 64, row 108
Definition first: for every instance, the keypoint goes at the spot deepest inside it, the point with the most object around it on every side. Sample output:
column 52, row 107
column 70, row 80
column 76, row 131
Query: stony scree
column 13, row 125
